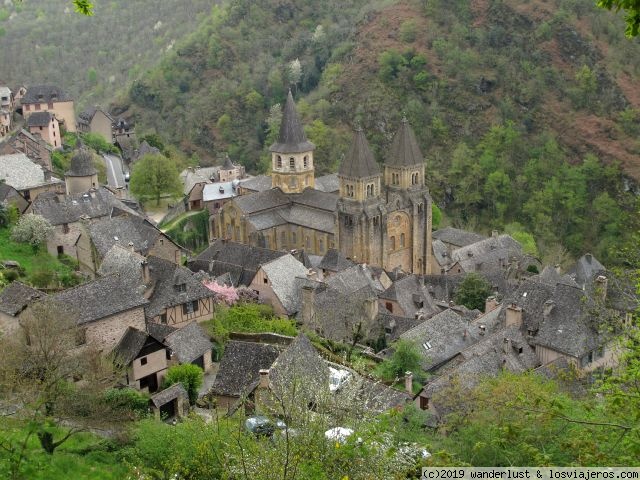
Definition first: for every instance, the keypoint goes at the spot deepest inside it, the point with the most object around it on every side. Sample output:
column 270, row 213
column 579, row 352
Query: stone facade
column 105, row 333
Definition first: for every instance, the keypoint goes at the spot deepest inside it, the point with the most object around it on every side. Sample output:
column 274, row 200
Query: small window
column 279, row 161
column 393, row 243
column 292, row 163
column 143, row 361
column 65, row 228
column 194, row 305
column 306, row 161
column 294, row 238
column 265, row 280
column 401, row 240
column 420, row 208
column 163, row 318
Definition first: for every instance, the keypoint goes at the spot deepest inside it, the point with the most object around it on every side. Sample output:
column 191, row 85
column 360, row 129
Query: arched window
column 308, row 242
column 306, row 161
column 320, row 246
column 283, row 239
column 292, row 163
column 401, row 240
column 279, row 161
column 294, row 238
column 419, row 208
column 393, row 243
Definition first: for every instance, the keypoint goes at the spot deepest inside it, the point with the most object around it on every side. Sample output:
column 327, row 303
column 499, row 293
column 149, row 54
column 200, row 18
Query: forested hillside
column 527, row 111
column 90, row 57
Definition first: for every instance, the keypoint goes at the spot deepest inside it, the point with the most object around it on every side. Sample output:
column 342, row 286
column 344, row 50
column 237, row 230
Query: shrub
column 473, row 292
column 408, row 31
column 128, row 401
column 191, row 376
column 32, row 229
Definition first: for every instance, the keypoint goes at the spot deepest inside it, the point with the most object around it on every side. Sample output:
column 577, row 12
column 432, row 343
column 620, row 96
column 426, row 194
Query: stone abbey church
column 373, row 216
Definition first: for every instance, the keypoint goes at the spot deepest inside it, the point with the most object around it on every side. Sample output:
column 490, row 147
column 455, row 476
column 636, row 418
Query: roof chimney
column 490, row 304
column 588, row 257
column 408, row 382
column 547, row 308
column 514, row 315
column 131, row 247
column 264, row 378
column 146, row 277
column 494, row 233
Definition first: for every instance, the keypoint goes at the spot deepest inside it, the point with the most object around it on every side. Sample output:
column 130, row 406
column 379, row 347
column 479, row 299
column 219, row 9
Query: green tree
column 525, row 239
column 473, row 292
column 632, row 13
column 191, row 376
column 405, row 358
column 154, row 175
column 436, row 216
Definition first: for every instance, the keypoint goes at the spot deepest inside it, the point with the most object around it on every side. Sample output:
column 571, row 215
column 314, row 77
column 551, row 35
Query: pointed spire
column 227, row 165
column 292, row 138
column 359, row 161
column 404, row 150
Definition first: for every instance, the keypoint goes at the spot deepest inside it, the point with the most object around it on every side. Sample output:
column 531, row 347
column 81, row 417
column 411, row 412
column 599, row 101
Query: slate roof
column 165, row 276
column 321, row 220
column 492, row 253
column 45, row 94
column 87, row 115
column 334, row 261
column 316, row 199
column 189, row 342
column 457, row 237
column 404, row 151
column 82, row 164
column 241, row 261
column 8, row 194
column 328, row 183
column 70, row 208
column 101, row 298
column 169, row 394
column 396, row 325
column 378, row 397
column 300, row 362
column 123, row 230
column 160, row 331
column 488, row 358
column 353, row 279
column 586, row 269
column 259, row 183
column 17, row 296
column 191, row 176
column 282, row 273
column 359, row 161
column 409, row 292
column 240, row 366
column 39, row 119
column 266, row 200
column 443, row 287
column 129, row 345
column 122, row 260
column 219, row 191
column 291, row 138
column 20, row 172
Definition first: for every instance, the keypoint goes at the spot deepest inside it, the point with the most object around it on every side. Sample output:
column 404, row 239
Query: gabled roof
column 95, row 203
column 586, row 269
column 404, row 151
column 129, row 345
column 189, row 342
column 165, row 278
column 45, row 94
column 122, row 260
column 489, row 254
column 240, row 366
column 411, row 295
column 457, row 237
column 282, row 273
column 328, row 183
column 89, row 113
column 219, row 191
column 359, row 161
column 261, row 201
column 160, row 331
column 39, row 119
column 300, row 362
column 82, row 164
column 123, row 230
column 169, row 394
column 259, row 183
column 242, row 261
column 17, row 296
column 334, row 261
column 20, row 172
column 101, row 298
column 355, row 278
column 292, row 138
column 192, row 176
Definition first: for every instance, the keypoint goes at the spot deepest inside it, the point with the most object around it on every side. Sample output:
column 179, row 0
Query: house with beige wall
column 35, row 148
column 49, row 98
column 45, row 125
column 14, row 300
column 104, row 309
column 96, row 120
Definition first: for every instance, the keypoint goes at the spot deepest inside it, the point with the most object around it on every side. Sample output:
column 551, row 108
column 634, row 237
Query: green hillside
column 527, row 111
column 45, row 41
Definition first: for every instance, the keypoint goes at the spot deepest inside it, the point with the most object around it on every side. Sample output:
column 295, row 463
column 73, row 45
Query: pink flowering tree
column 228, row 295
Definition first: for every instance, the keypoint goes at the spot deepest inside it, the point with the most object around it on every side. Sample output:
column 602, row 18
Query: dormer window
column 181, row 287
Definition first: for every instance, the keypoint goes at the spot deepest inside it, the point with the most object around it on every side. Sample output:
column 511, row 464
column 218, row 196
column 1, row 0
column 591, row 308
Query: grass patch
column 83, row 456
column 40, row 268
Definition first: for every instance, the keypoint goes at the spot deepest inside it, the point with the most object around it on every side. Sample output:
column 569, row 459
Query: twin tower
column 382, row 217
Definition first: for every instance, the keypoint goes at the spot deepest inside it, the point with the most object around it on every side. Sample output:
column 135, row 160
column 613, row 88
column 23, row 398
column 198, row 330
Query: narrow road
column 115, row 172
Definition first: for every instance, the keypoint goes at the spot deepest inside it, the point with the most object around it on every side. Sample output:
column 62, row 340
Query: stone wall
column 104, row 334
